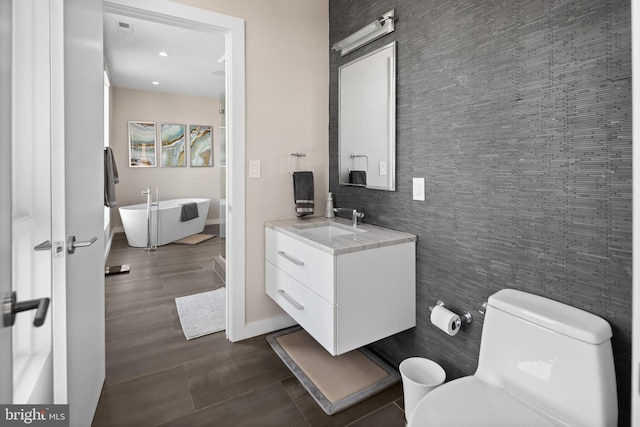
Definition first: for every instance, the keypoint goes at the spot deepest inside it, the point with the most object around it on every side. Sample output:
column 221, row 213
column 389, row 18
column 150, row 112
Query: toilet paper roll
column 445, row 320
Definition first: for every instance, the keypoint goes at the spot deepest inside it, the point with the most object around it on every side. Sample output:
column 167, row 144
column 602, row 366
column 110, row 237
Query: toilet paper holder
column 465, row 318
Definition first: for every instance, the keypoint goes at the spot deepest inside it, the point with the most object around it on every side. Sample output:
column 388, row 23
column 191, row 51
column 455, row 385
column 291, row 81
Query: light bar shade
column 378, row 28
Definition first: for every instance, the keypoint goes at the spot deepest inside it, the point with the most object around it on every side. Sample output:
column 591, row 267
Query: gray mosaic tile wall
column 518, row 115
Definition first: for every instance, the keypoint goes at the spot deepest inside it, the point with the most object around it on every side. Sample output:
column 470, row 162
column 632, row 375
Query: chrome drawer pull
column 290, row 300
column 290, row 258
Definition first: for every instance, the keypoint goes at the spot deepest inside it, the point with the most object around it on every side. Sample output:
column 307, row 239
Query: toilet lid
column 470, row 402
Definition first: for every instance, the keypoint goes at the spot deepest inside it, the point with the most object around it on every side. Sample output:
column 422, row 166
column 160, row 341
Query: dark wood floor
column 155, row 377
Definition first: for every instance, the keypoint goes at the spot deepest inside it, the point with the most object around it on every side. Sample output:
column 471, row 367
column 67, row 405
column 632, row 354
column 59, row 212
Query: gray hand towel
column 358, row 177
column 303, row 192
column 110, row 179
column 189, row 211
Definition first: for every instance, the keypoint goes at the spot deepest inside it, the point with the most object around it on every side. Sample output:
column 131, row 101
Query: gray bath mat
column 334, row 382
column 203, row 313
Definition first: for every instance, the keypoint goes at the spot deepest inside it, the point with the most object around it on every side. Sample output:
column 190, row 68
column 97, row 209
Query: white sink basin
column 328, row 231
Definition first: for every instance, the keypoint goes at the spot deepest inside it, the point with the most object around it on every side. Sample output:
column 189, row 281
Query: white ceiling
column 192, row 67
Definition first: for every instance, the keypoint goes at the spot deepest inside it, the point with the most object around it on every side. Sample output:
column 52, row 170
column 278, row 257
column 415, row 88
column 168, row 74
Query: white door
column 6, row 388
column 83, row 206
column 51, row 188
column 30, row 202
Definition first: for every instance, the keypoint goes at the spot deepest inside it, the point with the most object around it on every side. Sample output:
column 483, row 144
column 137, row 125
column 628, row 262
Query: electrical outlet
column 418, row 189
column 383, row 167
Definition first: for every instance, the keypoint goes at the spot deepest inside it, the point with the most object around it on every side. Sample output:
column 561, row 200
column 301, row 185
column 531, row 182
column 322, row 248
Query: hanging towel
column 358, row 177
column 303, row 192
column 110, row 179
column 189, row 211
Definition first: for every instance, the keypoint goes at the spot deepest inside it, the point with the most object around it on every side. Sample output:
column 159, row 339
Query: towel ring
column 298, row 155
column 354, row 156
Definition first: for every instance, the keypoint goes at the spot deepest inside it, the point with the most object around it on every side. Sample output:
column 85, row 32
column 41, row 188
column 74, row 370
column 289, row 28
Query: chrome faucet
column 147, row 193
column 355, row 215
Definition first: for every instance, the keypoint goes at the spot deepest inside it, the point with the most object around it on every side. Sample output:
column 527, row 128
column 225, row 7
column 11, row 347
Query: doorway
column 233, row 29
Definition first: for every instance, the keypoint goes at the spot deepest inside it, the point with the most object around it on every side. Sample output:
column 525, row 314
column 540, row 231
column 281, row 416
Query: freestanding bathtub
column 167, row 217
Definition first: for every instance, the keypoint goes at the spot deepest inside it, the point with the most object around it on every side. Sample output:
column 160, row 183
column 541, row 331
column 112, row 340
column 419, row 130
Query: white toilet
column 541, row 363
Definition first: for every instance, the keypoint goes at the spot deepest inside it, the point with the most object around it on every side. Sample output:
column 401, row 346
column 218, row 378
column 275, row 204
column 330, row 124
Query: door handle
column 44, row 246
column 11, row 308
column 58, row 248
column 72, row 243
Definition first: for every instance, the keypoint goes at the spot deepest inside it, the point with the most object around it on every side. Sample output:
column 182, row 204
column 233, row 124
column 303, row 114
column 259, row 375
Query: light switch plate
column 254, row 168
column 383, row 167
column 418, row 189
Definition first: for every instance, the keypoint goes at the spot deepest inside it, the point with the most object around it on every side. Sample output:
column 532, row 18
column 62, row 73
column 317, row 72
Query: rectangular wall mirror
column 367, row 120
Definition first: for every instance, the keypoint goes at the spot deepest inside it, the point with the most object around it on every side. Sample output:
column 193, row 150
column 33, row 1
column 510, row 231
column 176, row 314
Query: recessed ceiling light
column 155, row 83
column 163, row 53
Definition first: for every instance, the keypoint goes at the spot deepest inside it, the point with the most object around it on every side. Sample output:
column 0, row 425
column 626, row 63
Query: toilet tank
column 553, row 356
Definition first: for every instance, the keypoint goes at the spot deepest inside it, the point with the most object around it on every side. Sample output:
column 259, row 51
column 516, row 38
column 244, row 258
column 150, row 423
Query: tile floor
column 157, row 378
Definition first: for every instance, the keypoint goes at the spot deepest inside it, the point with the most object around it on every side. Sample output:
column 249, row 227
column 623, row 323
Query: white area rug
column 203, row 313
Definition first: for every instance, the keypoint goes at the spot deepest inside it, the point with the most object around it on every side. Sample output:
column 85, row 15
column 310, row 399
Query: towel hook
column 298, row 155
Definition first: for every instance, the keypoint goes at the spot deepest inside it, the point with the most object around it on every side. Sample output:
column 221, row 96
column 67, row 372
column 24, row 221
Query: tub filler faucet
column 147, row 192
column 355, row 215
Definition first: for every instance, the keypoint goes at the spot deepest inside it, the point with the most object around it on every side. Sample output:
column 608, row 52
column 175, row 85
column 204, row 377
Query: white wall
column 174, row 182
column 287, row 111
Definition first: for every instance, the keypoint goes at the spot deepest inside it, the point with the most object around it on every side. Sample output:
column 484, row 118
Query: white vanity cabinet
column 346, row 292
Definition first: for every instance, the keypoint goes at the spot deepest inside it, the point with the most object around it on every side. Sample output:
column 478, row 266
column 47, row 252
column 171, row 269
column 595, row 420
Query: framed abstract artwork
column 142, row 144
column 200, row 146
column 172, row 139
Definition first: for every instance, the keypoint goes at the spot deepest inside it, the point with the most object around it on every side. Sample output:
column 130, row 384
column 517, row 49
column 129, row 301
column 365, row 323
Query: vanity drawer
column 310, row 266
column 313, row 313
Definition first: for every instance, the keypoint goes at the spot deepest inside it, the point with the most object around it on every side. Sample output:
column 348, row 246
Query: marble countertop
column 367, row 236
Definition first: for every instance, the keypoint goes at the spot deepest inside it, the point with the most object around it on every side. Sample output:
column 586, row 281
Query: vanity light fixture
column 378, row 28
